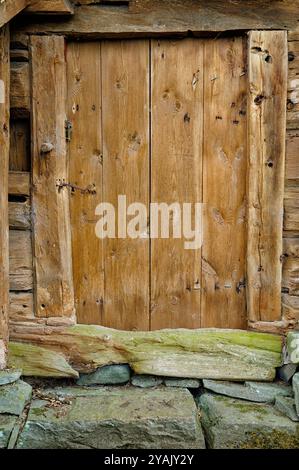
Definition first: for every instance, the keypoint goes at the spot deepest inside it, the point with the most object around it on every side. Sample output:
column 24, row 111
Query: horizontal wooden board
column 292, row 155
column 19, row 215
column 291, row 247
column 293, row 86
column 291, row 209
column 21, row 306
column 20, row 87
column 19, row 183
column 50, row 7
column 290, row 276
column 20, row 261
column 158, row 18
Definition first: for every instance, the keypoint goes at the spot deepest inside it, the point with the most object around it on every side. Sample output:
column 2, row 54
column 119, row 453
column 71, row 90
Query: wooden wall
column 21, row 260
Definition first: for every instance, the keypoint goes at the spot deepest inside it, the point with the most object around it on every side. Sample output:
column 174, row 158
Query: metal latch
column 68, row 130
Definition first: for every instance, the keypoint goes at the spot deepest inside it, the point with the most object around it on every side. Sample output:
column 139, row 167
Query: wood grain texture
column 291, row 209
column 293, row 84
column 20, row 88
column 224, row 184
column 10, row 8
column 4, row 163
column 290, row 276
column 19, row 156
column 292, row 156
column 50, row 200
column 267, row 65
column 86, row 172
column 50, row 7
column 19, row 215
column 148, row 18
column 126, row 172
column 20, row 261
column 176, row 177
column 19, row 183
column 21, row 306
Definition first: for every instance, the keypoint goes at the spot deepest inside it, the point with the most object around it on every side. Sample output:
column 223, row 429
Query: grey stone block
column 115, row 418
column 269, row 391
column 286, row 405
column 9, row 376
column 7, row 424
column 295, row 383
column 14, row 397
column 231, row 423
column 287, row 371
column 146, row 381
column 107, row 375
column 234, row 390
column 184, row 383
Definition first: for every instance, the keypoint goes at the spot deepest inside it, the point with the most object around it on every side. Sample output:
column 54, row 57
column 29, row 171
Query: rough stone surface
column 235, row 390
column 111, row 419
column 287, row 371
column 232, row 423
column 293, row 346
column 7, row 424
column 146, row 381
column 286, row 405
column 296, row 391
column 269, row 392
column 9, row 376
column 184, row 383
column 107, row 375
column 14, row 397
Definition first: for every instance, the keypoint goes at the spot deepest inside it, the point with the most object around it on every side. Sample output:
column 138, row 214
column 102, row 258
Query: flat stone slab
column 286, row 405
column 107, row 375
column 14, row 397
column 269, row 391
column 146, row 381
column 287, row 371
column 293, row 346
column 7, row 424
column 295, row 383
column 185, row 383
column 114, row 418
column 232, row 424
column 234, row 390
column 9, row 376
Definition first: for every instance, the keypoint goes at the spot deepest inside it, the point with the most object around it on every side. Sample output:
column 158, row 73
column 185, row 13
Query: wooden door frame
column 264, row 97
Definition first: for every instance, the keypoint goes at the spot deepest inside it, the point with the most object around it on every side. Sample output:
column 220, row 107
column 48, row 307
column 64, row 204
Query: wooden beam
column 4, row 161
column 267, row 69
column 156, row 18
column 50, row 202
column 51, row 7
column 10, row 8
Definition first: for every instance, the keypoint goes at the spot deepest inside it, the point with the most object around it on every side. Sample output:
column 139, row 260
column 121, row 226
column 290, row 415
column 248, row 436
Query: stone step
column 113, row 418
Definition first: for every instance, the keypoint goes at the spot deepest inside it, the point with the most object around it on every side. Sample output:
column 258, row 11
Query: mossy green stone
column 232, row 423
column 14, row 397
column 7, row 424
column 295, row 383
column 107, row 375
column 9, row 376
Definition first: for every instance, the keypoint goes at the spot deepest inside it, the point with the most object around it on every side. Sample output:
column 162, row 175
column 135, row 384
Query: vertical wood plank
column 50, row 199
column 85, row 160
column 125, row 91
column 224, row 185
column 4, row 162
column 267, row 67
column 176, row 176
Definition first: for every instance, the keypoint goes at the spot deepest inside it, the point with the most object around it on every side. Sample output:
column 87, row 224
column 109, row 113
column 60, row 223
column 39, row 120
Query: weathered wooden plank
column 20, row 261
column 20, row 88
column 158, row 18
column 225, row 160
column 86, row 168
column 290, row 309
column 291, row 247
column 266, row 139
column 10, row 8
column 290, row 276
column 21, row 306
column 204, row 353
column 126, row 172
column 50, row 199
column 20, row 215
column 38, row 362
column 293, row 86
column 50, row 7
column 19, row 157
column 176, row 177
column 19, row 183
column 292, row 156
column 4, row 162
column 291, row 209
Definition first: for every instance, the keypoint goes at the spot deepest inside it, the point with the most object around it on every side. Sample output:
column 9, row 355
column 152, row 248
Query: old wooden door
column 159, row 121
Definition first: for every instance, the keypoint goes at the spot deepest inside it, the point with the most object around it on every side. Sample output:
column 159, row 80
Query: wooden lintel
column 50, row 7
column 158, row 18
column 10, row 8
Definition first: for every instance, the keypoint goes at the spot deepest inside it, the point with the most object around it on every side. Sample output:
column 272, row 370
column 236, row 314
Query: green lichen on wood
column 39, row 362
column 205, row 353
